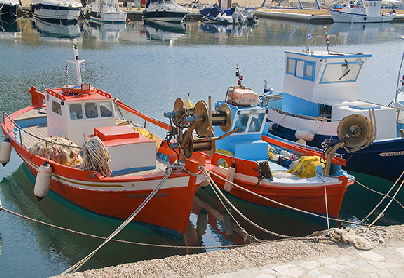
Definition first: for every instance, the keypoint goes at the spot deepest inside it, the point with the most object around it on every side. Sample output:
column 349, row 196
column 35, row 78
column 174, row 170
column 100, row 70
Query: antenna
column 327, row 39
column 77, row 62
column 240, row 77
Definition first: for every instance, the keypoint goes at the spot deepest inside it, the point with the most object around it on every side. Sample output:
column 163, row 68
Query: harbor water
column 148, row 67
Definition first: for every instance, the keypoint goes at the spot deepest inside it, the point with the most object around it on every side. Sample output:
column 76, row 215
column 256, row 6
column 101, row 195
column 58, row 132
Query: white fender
column 230, row 177
column 42, row 183
column 304, row 135
column 5, row 151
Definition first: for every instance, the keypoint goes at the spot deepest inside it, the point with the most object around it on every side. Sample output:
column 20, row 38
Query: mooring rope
column 380, row 193
column 279, row 203
column 115, row 240
column 215, row 187
column 363, row 237
column 79, row 264
column 384, row 197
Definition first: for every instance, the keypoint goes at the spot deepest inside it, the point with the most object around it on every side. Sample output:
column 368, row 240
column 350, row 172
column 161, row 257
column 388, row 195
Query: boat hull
column 323, row 197
column 380, row 159
column 344, row 17
column 8, row 10
column 165, row 16
column 109, row 17
column 55, row 13
column 118, row 196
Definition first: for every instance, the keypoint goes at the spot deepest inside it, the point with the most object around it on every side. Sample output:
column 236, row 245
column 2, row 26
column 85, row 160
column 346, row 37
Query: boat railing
column 321, row 119
column 30, row 136
column 146, row 118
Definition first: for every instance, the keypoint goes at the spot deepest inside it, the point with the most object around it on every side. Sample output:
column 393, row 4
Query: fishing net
column 59, row 149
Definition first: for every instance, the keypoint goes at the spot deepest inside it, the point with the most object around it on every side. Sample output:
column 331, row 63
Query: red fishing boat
column 74, row 141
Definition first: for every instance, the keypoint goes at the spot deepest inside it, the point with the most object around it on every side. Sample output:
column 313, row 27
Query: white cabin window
column 91, row 110
column 309, row 71
column 56, row 107
column 341, row 72
column 76, row 111
column 300, row 68
column 290, row 67
column 106, row 109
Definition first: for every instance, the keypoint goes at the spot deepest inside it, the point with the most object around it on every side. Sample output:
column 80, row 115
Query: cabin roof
column 324, row 54
column 76, row 94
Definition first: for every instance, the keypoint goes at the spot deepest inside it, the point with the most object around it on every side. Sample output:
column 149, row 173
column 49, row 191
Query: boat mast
column 400, row 79
column 77, row 62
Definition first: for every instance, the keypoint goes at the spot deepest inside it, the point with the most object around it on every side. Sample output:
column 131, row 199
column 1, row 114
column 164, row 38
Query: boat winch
column 355, row 132
column 188, row 118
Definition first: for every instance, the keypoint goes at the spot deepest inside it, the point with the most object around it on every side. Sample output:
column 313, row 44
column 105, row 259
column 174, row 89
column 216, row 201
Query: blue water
column 148, row 68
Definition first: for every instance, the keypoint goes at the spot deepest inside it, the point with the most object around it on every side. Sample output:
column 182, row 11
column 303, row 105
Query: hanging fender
column 5, row 151
column 42, row 183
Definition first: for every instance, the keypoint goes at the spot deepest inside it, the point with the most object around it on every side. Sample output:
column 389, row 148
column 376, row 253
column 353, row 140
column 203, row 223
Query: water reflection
column 210, row 226
column 267, row 32
column 106, row 31
column 8, row 24
column 359, row 33
column 233, row 30
column 162, row 31
column 56, row 30
column 65, row 248
column 9, row 28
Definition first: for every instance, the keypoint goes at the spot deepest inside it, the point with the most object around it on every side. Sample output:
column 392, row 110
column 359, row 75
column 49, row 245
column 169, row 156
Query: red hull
column 169, row 208
column 303, row 198
column 310, row 197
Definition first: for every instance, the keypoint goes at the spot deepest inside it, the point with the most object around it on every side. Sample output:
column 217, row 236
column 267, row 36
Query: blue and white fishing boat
column 56, row 10
column 259, row 168
column 320, row 89
column 367, row 11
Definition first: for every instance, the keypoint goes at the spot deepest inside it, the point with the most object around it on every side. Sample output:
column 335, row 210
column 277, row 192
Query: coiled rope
column 79, row 264
column 96, row 157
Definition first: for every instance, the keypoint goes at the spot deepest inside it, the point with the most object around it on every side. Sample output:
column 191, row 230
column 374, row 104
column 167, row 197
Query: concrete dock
column 284, row 258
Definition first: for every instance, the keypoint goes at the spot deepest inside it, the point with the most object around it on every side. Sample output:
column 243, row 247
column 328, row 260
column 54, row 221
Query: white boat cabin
column 325, row 84
column 75, row 115
column 81, row 113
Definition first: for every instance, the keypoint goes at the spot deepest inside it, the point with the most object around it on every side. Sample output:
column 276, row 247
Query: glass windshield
column 341, row 72
column 249, row 121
